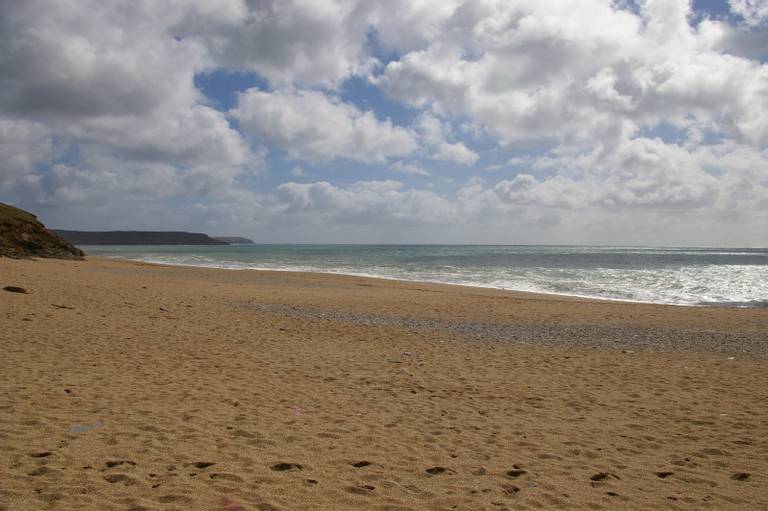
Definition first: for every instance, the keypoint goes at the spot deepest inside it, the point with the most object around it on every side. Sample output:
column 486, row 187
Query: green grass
column 15, row 216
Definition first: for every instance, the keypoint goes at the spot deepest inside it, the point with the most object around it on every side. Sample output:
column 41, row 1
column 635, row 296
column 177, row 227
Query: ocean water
column 685, row 276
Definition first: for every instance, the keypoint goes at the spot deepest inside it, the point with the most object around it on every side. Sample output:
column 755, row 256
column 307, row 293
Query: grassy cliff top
column 14, row 216
column 22, row 235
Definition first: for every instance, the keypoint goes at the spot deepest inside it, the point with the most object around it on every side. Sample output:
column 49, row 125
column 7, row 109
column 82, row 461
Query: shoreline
column 729, row 305
column 393, row 279
column 143, row 387
column 713, row 318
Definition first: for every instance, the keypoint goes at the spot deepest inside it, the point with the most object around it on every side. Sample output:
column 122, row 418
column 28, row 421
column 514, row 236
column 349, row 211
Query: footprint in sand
column 364, row 489
column 43, row 471
column 282, row 467
column 600, row 477
column 226, row 477
column 117, row 463
column 175, row 499
column 120, row 478
column 439, row 470
column 741, row 476
column 713, row 452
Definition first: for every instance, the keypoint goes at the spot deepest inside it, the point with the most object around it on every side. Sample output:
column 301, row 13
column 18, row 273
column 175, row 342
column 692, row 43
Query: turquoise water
column 686, row 276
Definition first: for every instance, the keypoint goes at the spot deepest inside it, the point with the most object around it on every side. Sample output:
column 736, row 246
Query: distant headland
column 234, row 240
column 144, row 238
column 22, row 235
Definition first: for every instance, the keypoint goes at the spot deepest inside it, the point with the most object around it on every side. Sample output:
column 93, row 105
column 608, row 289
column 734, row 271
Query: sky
column 613, row 122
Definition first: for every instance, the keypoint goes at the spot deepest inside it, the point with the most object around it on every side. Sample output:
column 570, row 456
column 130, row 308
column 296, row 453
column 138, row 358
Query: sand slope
column 135, row 387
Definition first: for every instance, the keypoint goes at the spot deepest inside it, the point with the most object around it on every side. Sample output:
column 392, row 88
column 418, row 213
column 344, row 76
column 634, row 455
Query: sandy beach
column 127, row 386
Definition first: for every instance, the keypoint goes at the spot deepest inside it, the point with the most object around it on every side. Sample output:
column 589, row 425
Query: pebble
column 628, row 338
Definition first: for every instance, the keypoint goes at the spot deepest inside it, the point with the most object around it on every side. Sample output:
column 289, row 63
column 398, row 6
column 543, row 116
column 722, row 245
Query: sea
column 736, row 277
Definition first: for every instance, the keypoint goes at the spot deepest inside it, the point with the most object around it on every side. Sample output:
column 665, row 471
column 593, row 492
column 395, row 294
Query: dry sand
column 135, row 387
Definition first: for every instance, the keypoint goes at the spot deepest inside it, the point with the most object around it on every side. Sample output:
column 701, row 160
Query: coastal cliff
column 138, row 238
column 22, row 235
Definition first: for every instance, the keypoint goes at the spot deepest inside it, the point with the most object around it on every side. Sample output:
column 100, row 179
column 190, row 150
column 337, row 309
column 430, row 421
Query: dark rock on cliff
column 22, row 235
column 138, row 238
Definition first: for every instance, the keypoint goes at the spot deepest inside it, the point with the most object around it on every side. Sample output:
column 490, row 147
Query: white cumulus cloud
column 612, row 117
column 754, row 12
column 314, row 126
column 457, row 153
column 409, row 168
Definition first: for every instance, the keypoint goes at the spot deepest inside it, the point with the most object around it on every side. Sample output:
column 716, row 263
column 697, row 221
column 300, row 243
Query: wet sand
column 126, row 386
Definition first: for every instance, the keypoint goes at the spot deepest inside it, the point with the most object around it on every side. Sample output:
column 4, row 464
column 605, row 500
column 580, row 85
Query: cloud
column 605, row 115
column 747, row 42
column 88, row 59
column 286, row 41
column 642, row 179
column 69, row 185
column 754, row 12
column 407, row 25
column 435, row 134
column 512, row 162
column 530, row 72
column 456, row 153
column 313, row 126
column 647, row 174
column 409, row 168
column 432, row 130
column 22, row 145
column 645, row 183
column 364, row 202
column 195, row 135
column 98, row 98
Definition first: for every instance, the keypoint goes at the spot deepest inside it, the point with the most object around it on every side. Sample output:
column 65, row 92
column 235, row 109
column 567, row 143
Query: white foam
column 684, row 285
